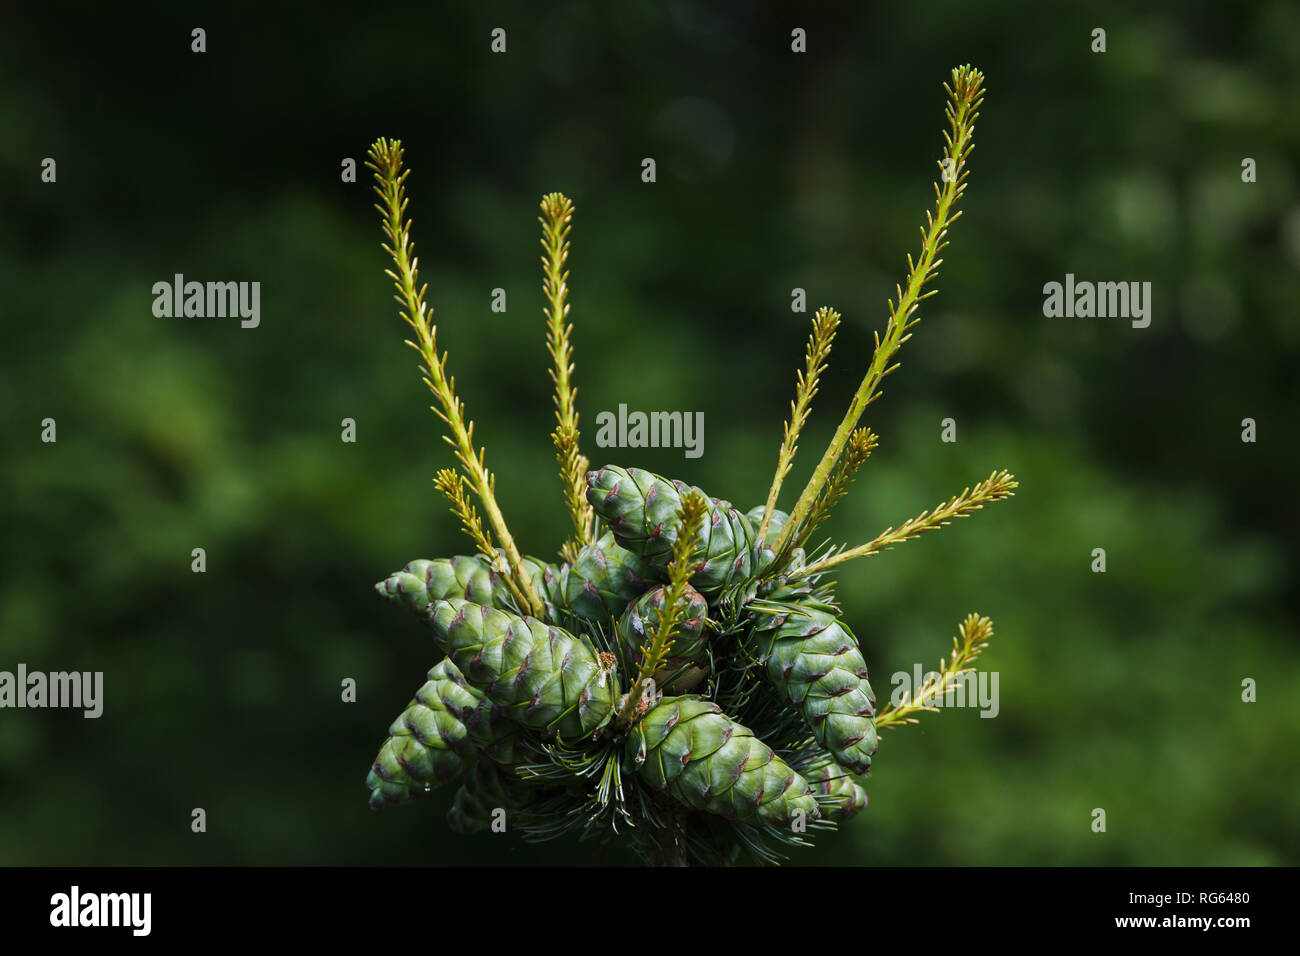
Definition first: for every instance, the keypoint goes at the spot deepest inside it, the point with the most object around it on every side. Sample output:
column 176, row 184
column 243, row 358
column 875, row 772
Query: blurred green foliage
column 222, row 690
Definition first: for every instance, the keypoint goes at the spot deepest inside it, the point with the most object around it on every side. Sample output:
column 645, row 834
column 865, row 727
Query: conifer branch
column 999, row 485
column 390, row 185
column 690, row 517
column 965, row 95
column 557, row 213
column 824, row 324
column 974, row 635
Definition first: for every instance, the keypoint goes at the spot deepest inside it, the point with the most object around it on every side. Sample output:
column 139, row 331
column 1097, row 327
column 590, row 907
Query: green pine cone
column 429, row 743
column 690, row 748
column 764, row 555
column 834, row 781
column 814, row 660
column 602, row 580
column 491, row 731
column 637, row 626
column 471, row 577
column 779, row 519
column 545, row 678
column 423, row 581
column 487, row 787
column 641, row 509
column 548, row 581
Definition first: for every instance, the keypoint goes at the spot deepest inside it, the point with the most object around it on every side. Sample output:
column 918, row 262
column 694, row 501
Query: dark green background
column 776, row 170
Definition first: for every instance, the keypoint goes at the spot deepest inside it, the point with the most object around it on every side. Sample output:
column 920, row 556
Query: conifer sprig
column 557, row 215
column 965, row 94
column 452, row 486
column 390, row 185
column 690, row 517
column 861, row 444
column 824, row 324
column 974, row 633
column 999, row 485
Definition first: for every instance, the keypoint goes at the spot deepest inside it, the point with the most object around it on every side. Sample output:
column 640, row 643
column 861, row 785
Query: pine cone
column 641, row 509
column 640, row 622
column 602, row 580
column 470, row 577
column 834, row 781
column 423, row 581
column 429, row 742
column 543, row 676
column 814, row 660
column 690, row 748
column 764, row 551
column 487, row 787
column 774, row 526
column 491, row 731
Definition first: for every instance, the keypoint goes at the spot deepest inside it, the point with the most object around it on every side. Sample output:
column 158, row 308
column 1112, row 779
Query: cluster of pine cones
column 761, row 714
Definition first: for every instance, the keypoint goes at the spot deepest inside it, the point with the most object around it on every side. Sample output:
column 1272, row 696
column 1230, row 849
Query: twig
column 862, row 443
column 975, row 633
column 390, row 178
column 690, row 516
column 824, row 324
column 964, row 98
column 557, row 214
column 452, row 486
column 999, row 485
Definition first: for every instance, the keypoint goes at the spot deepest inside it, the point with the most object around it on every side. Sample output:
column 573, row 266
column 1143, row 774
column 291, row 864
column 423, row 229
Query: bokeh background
column 775, row 170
